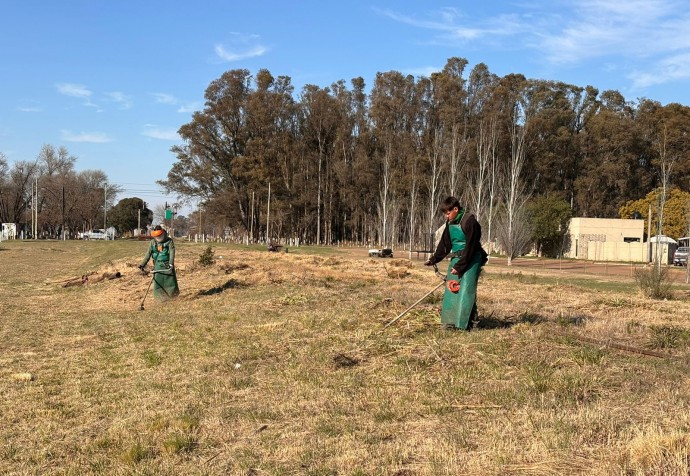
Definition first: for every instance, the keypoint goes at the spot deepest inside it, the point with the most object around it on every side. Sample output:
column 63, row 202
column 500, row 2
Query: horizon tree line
column 349, row 165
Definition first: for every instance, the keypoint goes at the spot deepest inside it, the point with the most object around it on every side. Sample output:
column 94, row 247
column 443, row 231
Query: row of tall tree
column 48, row 198
column 344, row 164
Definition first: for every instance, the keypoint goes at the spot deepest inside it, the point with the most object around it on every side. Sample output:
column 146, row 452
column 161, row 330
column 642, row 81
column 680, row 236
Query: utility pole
column 268, row 216
column 63, row 213
column 172, row 221
column 251, row 221
column 649, row 234
column 34, row 196
column 105, row 204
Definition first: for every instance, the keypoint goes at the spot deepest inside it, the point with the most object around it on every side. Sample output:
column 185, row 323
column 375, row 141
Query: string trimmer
column 453, row 286
column 154, row 273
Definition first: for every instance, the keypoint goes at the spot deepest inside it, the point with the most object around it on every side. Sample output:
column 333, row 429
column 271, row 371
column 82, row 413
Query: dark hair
column 449, row 203
column 157, row 227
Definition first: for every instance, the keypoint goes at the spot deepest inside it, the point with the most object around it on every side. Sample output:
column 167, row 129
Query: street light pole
column 63, row 213
column 105, row 204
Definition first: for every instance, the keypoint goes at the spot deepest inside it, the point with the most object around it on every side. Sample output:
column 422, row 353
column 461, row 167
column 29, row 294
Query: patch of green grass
column 135, row 454
column 587, row 355
column 8, row 451
column 668, row 337
column 574, row 388
column 332, row 429
column 179, row 443
column 188, row 421
column 539, row 376
column 571, row 319
column 384, row 415
column 152, row 358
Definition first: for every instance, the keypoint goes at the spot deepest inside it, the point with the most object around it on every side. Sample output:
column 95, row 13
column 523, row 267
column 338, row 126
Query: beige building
column 607, row 239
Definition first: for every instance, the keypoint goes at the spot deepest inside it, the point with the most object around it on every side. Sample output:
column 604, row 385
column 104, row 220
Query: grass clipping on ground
column 273, row 363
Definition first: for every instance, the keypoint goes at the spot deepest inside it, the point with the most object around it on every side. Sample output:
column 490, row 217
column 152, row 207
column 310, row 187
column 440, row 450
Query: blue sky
column 113, row 80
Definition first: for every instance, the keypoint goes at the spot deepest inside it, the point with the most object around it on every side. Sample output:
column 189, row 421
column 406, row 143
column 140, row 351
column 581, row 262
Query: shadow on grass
column 504, row 322
column 343, row 361
column 229, row 284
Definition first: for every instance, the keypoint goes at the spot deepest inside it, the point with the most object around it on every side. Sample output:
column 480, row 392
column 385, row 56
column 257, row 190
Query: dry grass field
column 279, row 364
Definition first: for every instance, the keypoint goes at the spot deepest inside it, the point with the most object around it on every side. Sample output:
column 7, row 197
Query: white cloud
column 454, row 27
column 29, row 109
column 650, row 36
column 120, row 98
column 74, row 90
column 189, row 107
column 164, row 98
column 240, row 47
column 669, row 69
column 93, row 137
column 633, row 29
column 226, row 55
column 156, row 132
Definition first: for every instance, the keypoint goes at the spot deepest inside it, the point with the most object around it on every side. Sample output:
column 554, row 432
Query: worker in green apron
column 461, row 239
column 162, row 251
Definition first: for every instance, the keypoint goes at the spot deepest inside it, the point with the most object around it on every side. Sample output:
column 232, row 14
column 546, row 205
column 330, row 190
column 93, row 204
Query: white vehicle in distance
column 99, row 234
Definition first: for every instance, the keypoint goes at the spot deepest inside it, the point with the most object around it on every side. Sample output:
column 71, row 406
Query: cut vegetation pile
column 274, row 363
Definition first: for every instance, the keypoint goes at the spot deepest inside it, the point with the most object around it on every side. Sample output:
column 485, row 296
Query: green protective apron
column 165, row 280
column 458, row 307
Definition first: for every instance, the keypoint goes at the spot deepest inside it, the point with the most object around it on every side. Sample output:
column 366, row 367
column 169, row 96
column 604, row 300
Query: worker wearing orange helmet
column 162, row 251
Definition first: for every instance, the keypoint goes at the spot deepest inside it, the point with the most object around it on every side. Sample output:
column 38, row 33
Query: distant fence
column 617, row 251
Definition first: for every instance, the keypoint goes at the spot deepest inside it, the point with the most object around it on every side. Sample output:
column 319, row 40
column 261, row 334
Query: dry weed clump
column 658, row 452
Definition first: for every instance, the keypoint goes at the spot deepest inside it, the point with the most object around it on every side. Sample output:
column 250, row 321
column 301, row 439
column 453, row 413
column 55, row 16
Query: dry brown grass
column 273, row 363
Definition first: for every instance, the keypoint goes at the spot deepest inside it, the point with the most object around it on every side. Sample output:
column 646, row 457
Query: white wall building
column 607, row 239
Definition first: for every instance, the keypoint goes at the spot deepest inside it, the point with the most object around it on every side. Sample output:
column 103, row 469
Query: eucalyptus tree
column 668, row 130
column 423, row 167
column 214, row 142
column 553, row 136
column 320, row 121
column 393, row 115
column 365, row 170
column 513, row 233
column 350, row 191
column 451, row 101
column 271, row 127
column 483, row 181
column 483, row 123
column 615, row 162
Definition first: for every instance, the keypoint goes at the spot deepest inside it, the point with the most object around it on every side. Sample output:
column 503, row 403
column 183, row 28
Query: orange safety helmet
column 158, row 233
